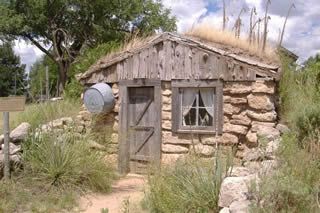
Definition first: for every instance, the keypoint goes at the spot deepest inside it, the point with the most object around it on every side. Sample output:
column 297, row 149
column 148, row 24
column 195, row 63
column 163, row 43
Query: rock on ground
column 95, row 145
column 13, row 149
column 239, row 171
column 234, row 189
column 239, row 206
column 20, row 133
column 224, row 210
column 282, row 128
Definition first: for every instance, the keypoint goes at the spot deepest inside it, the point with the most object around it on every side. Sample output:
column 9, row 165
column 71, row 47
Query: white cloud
column 186, row 11
column 27, row 52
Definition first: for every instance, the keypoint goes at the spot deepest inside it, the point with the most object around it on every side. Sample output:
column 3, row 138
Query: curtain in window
column 188, row 97
column 207, row 96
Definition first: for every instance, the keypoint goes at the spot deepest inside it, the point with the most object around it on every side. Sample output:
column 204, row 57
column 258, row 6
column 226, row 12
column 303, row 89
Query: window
column 197, row 107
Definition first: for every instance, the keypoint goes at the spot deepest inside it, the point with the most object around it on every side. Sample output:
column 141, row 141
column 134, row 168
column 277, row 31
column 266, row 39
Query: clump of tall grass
column 295, row 185
column 300, row 100
column 66, row 162
column 190, row 185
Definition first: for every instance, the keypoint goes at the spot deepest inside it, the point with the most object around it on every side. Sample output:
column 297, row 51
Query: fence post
column 6, row 130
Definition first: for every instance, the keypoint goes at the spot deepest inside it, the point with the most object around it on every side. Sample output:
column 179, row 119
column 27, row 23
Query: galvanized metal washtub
column 99, row 98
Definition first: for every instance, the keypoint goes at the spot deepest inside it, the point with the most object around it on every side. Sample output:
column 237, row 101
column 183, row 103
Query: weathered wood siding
column 169, row 60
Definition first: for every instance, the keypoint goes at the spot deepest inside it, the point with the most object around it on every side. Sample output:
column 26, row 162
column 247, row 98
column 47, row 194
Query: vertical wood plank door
column 143, row 128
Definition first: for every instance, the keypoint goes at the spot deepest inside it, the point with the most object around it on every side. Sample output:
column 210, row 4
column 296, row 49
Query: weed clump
column 190, row 185
column 295, row 185
column 66, row 162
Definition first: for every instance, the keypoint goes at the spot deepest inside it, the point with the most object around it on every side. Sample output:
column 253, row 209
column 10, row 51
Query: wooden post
column 15, row 83
column 6, row 131
column 47, row 83
column 9, row 104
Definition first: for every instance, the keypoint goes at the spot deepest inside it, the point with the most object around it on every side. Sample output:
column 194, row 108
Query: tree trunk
column 63, row 77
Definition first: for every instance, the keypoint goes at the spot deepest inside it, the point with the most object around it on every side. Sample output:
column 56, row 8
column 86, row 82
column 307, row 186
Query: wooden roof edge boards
column 225, row 53
column 177, row 38
column 122, row 55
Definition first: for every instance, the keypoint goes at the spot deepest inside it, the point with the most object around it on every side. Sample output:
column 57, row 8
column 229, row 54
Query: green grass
column 295, row 185
column 191, row 185
column 66, row 161
column 26, row 194
column 37, row 114
column 57, row 169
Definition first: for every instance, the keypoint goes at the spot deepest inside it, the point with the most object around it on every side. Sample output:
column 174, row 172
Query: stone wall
column 249, row 118
column 107, row 124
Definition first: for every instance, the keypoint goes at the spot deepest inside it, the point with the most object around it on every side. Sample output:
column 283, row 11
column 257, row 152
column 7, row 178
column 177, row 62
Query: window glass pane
column 188, row 96
column 197, row 106
column 190, row 118
column 201, row 104
column 205, row 119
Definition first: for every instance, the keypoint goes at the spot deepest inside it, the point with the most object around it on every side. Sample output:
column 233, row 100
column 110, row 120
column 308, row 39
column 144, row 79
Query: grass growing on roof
column 227, row 38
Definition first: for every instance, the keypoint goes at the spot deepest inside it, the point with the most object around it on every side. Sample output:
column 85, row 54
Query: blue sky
column 302, row 33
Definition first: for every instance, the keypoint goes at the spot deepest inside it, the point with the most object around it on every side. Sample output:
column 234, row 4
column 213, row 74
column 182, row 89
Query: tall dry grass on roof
column 227, row 40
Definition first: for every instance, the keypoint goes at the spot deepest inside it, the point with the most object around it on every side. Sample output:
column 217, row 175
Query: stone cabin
column 175, row 94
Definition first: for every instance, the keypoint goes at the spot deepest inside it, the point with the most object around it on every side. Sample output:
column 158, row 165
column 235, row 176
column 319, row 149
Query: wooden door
column 143, row 128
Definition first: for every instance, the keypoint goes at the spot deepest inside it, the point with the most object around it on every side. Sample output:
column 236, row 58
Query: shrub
column 90, row 56
column 191, row 185
column 295, row 186
column 73, row 90
column 66, row 162
column 300, row 98
column 308, row 124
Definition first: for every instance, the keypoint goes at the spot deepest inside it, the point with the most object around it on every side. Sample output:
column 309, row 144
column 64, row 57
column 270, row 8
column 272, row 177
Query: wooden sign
column 12, row 104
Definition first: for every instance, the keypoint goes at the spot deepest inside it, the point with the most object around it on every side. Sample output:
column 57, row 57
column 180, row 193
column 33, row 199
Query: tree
column 312, row 60
column 12, row 75
column 61, row 28
column 37, row 77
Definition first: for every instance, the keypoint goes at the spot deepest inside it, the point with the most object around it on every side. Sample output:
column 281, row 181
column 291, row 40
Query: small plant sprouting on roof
column 285, row 23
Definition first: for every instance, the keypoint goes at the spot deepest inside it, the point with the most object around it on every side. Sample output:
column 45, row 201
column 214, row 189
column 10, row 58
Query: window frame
column 177, row 127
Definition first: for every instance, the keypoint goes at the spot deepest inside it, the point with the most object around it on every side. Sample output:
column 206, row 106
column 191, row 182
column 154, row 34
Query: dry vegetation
column 37, row 114
column 228, row 41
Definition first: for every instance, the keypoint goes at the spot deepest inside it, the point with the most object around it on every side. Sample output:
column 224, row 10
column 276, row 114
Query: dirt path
column 126, row 193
